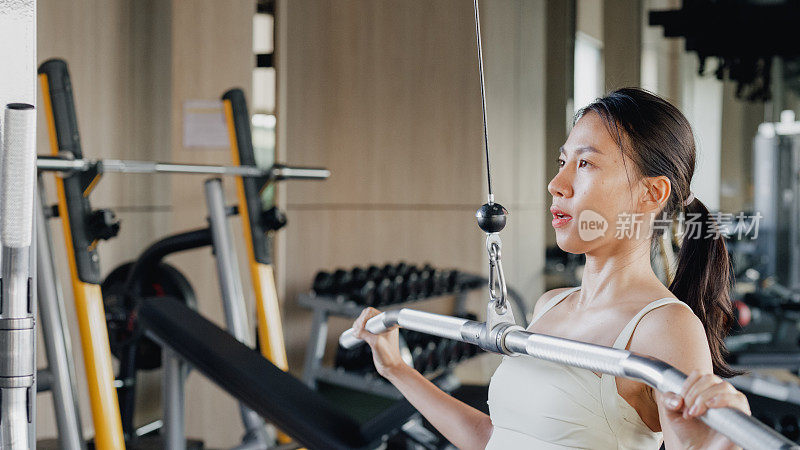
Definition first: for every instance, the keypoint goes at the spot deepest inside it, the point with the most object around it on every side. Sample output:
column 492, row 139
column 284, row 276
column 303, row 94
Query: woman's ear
column 656, row 193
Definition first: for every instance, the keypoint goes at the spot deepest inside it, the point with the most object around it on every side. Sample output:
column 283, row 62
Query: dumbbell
column 443, row 352
column 432, row 351
column 342, row 281
column 353, row 360
column 394, row 293
column 389, row 271
column 768, row 421
column 457, row 351
column 401, row 268
column 361, row 289
column 388, row 291
column 364, row 293
column 431, row 358
column 438, row 282
column 323, row 283
column 461, row 351
column 343, row 357
column 397, row 288
column 447, row 281
column 384, row 292
column 452, row 281
column 411, row 286
column 789, row 427
column 418, row 358
column 374, row 273
column 448, row 351
column 358, row 276
column 426, row 280
column 421, row 350
column 413, row 339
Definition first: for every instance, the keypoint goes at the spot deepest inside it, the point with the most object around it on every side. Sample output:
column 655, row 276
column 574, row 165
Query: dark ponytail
column 703, row 280
column 658, row 139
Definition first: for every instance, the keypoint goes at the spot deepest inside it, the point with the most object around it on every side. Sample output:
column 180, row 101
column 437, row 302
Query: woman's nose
column 560, row 185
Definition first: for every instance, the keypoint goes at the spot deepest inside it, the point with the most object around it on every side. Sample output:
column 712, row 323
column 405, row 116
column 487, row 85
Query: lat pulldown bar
column 510, row 339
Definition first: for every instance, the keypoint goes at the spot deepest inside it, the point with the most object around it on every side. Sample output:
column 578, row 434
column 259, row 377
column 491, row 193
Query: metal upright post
column 56, row 336
column 17, row 357
column 232, row 297
column 316, row 347
column 173, row 400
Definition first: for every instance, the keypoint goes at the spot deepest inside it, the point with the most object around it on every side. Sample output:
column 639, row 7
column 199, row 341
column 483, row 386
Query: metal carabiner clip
column 497, row 279
column 499, row 316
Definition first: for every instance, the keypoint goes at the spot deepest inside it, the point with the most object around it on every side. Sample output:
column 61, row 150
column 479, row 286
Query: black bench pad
column 280, row 398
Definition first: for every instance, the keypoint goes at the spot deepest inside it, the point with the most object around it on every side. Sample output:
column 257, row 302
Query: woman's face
column 593, row 190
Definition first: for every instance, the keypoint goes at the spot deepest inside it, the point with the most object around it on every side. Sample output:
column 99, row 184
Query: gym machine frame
column 500, row 334
column 59, row 376
column 80, row 176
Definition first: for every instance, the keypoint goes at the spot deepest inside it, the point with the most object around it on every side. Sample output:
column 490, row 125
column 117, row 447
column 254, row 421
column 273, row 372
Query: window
column 588, row 70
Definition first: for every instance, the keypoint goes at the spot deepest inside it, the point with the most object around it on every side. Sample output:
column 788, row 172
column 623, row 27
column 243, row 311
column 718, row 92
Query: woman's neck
column 608, row 276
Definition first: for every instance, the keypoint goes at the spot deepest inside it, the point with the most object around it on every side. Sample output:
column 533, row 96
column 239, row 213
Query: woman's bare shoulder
column 674, row 334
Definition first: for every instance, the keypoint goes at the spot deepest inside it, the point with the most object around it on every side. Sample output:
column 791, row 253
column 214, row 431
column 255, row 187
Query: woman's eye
column 561, row 162
column 581, row 163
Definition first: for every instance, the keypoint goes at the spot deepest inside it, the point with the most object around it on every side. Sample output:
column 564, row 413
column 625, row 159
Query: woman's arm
column 675, row 335
column 464, row 426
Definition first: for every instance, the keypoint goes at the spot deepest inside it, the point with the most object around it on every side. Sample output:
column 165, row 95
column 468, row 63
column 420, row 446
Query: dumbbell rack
column 323, row 308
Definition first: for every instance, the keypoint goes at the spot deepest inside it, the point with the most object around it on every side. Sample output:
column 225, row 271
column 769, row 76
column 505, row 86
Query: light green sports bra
column 536, row 404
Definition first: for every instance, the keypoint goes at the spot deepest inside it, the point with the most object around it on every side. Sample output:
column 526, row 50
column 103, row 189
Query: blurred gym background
column 385, row 94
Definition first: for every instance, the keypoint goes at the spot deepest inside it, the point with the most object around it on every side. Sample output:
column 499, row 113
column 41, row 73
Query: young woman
column 628, row 161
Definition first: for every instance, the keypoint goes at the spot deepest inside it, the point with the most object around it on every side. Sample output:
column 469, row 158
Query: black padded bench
column 302, row 413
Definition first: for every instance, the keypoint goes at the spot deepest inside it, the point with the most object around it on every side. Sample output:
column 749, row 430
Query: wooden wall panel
column 386, row 94
column 212, row 52
column 377, row 92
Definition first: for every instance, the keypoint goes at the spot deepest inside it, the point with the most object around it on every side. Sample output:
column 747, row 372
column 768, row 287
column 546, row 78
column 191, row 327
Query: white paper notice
column 204, row 124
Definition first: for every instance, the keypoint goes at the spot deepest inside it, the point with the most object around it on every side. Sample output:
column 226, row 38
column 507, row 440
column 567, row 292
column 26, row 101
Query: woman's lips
column 559, row 222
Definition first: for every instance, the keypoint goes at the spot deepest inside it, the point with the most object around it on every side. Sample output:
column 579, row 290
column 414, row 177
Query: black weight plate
column 165, row 281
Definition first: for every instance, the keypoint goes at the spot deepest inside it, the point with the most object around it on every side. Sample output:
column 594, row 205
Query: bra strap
column 553, row 302
column 627, row 332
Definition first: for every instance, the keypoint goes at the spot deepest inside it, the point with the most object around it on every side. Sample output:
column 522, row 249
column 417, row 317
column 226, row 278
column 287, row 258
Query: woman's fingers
column 733, row 399
column 360, row 323
column 671, row 401
column 359, row 326
column 694, row 385
column 703, row 400
column 704, row 391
